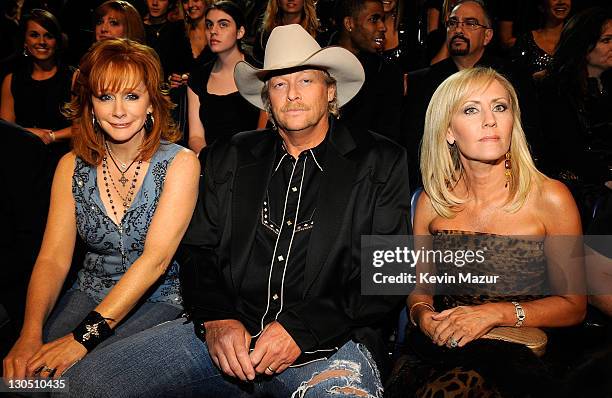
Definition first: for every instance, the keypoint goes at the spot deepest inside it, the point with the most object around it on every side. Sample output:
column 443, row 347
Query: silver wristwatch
column 520, row 314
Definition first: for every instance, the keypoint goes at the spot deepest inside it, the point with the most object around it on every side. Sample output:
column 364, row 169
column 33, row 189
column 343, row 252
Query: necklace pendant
column 123, row 166
column 123, row 180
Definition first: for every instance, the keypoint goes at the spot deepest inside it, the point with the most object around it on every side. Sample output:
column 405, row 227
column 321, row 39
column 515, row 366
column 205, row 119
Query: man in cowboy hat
column 274, row 248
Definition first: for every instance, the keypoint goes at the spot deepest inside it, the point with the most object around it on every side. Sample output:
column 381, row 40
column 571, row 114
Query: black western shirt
column 274, row 278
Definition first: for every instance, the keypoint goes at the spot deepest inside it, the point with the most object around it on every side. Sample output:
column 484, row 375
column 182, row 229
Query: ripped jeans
column 170, row 361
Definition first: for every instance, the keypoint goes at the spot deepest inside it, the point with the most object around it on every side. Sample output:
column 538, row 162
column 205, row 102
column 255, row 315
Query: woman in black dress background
column 534, row 49
column 575, row 101
column 216, row 108
column 34, row 93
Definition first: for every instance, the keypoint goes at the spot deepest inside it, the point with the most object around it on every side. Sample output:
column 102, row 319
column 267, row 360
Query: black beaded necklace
column 127, row 200
column 123, row 168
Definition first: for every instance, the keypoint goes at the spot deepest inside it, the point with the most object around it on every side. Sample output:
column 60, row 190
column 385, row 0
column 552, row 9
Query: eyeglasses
column 470, row 24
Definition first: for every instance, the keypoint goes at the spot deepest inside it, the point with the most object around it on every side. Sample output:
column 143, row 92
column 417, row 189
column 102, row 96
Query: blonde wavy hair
column 274, row 17
column 441, row 166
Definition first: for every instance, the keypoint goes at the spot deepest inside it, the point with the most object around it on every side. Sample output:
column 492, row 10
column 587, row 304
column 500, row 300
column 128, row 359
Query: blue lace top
column 112, row 248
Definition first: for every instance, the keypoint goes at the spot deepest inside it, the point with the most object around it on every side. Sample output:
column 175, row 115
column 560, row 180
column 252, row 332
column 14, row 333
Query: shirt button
column 275, row 297
column 289, row 222
column 281, row 258
column 294, row 189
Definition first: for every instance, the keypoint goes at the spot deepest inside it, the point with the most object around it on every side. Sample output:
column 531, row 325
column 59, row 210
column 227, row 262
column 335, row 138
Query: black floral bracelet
column 92, row 330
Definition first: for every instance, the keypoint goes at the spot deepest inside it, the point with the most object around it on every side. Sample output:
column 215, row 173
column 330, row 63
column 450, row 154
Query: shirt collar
column 317, row 153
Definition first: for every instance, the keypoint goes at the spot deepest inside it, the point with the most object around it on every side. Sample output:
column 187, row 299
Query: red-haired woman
column 129, row 192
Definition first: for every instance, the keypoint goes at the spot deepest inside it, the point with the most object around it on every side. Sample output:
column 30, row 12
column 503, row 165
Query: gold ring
column 270, row 369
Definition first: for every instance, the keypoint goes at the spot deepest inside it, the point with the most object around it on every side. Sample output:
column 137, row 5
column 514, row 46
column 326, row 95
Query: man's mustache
column 294, row 107
column 460, row 37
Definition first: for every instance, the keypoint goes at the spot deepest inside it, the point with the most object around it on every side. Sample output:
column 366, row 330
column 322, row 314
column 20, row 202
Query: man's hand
column 228, row 344
column 275, row 350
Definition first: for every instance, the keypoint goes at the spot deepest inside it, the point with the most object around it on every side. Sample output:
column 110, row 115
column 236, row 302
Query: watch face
column 520, row 313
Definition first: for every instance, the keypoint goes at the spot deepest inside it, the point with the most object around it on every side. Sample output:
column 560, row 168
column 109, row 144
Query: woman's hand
column 59, row 355
column 17, row 359
column 427, row 323
column 465, row 324
column 43, row 134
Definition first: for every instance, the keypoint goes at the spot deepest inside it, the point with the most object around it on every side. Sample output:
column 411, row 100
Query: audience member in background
column 482, row 189
column 194, row 11
column 362, row 31
column 535, row 49
column 169, row 39
column 33, row 95
column 515, row 18
column 285, row 12
column 394, row 49
column 118, row 18
column 576, row 103
column 468, row 32
column 437, row 14
column 216, row 108
column 130, row 196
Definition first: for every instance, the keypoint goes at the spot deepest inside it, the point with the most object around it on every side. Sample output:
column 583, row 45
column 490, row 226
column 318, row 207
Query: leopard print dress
column 426, row 370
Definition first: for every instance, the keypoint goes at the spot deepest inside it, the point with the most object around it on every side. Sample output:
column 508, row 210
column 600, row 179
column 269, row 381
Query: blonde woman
column 481, row 189
column 285, row 12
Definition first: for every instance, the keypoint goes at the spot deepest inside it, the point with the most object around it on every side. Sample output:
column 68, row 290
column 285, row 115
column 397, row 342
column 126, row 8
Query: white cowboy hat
column 291, row 46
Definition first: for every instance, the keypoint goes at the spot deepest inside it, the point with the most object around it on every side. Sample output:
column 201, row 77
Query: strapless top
column 503, row 268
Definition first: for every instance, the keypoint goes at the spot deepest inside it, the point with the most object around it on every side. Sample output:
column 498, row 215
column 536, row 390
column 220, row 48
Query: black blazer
column 364, row 191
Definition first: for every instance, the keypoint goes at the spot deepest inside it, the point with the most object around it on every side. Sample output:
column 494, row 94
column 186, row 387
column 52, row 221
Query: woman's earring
column 25, row 52
column 95, row 123
column 149, row 121
column 508, row 166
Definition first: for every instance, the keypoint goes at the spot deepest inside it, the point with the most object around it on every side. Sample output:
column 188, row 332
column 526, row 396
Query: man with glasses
column 468, row 32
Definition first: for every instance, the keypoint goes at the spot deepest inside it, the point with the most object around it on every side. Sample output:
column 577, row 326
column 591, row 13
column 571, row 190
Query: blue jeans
column 170, row 361
column 74, row 306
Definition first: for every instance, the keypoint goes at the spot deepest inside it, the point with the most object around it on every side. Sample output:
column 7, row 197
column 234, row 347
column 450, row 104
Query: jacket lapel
column 334, row 193
column 252, row 177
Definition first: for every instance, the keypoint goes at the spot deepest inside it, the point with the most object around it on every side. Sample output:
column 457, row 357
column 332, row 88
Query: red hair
column 115, row 65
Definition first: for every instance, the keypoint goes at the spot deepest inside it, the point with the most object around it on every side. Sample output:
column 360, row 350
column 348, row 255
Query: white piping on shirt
column 297, row 211
column 315, row 159
column 275, row 247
